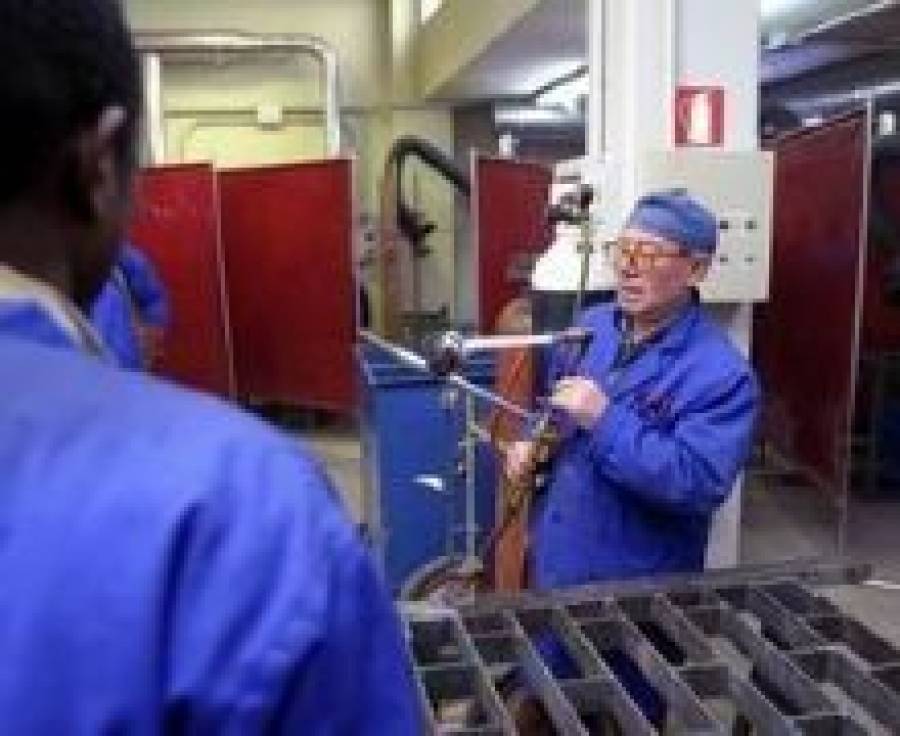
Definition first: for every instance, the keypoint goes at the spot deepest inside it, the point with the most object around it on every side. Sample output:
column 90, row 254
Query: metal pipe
column 153, row 109
column 417, row 362
column 407, row 357
column 157, row 43
column 512, row 342
column 492, row 398
column 470, row 443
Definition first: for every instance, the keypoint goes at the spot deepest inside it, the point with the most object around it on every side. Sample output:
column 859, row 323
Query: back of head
column 62, row 62
column 70, row 99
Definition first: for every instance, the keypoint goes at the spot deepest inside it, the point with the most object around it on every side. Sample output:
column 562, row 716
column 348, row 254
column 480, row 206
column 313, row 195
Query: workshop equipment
column 394, row 457
column 403, row 233
column 414, row 470
column 747, row 650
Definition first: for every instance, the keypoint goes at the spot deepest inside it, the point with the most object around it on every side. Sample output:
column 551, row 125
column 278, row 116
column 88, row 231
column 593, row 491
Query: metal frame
column 152, row 45
column 753, row 650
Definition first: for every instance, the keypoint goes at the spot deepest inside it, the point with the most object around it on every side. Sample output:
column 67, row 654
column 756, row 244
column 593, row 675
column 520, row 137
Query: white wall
column 351, row 26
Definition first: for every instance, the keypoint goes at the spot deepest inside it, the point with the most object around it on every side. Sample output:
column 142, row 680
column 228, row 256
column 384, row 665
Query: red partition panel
column 510, row 201
column 176, row 223
column 807, row 338
column 287, row 236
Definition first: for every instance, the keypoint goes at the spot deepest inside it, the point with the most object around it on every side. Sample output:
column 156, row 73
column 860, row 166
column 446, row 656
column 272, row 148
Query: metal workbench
column 754, row 650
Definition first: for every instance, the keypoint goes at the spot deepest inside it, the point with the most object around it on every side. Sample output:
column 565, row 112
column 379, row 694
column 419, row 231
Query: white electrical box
column 737, row 187
column 269, row 116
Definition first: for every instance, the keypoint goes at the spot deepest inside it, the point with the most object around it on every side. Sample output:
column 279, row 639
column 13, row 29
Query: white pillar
column 154, row 112
column 639, row 51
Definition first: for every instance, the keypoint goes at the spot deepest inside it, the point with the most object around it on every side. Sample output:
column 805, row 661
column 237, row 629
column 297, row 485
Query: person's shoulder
column 190, row 442
column 716, row 353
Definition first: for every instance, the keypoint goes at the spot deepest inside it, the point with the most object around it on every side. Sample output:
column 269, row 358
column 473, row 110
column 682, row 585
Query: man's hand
column 581, row 399
column 516, row 461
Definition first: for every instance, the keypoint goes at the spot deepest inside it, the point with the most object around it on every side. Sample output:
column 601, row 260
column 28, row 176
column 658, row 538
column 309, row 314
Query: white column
column 732, row 61
column 154, row 113
column 631, row 71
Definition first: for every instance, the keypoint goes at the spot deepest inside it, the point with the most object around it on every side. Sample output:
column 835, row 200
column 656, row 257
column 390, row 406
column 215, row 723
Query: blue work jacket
column 634, row 495
column 134, row 292
column 171, row 565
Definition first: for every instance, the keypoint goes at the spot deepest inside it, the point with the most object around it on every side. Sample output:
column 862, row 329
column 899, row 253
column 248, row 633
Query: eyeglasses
column 642, row 255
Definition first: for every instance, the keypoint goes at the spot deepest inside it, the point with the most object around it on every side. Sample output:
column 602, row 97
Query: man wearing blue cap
column 658, row 415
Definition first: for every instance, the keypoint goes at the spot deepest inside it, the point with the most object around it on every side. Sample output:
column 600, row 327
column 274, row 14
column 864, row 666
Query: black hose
column 409, row 221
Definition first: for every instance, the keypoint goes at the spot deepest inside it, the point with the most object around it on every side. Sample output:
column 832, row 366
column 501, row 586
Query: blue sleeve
column 281, row 624
column 145, row 285
column 690, row 467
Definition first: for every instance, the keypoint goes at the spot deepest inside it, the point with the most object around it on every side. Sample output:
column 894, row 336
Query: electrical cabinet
column 737, row 187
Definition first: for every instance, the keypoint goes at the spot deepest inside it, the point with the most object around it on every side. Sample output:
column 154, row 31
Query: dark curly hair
column 62, row 62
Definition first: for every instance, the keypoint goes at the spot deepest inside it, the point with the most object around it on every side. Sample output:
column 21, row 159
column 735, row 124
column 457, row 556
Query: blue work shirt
column 133, row 292
column 634, row 495
column 169, row 564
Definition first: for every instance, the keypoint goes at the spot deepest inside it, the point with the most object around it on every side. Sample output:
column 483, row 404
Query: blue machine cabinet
column 414, row 490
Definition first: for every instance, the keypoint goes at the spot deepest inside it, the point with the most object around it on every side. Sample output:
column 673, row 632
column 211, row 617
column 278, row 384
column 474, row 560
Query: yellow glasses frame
column 644, row 254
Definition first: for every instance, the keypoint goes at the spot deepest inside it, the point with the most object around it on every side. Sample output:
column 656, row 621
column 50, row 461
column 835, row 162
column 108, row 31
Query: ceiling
column 788, row 20
column 799, row 38
column 546, row 44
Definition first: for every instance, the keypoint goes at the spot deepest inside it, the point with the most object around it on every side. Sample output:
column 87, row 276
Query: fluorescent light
column 516, row 116
column 773, row 8
column 566, row 94
column 428, row 8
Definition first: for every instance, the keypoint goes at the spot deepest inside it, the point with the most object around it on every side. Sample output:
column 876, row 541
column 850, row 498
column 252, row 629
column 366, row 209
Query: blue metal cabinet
column 410, row 435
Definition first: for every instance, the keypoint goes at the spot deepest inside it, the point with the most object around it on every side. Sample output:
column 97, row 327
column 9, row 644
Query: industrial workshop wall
column 211, row 105
column 215, row 108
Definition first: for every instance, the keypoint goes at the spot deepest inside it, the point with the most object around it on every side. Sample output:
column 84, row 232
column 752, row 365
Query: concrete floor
column 791, row 521
column 781, row 520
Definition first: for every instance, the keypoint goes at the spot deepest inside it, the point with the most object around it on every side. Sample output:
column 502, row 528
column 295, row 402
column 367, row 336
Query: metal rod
column 492, row 398
column 417, row 362
column 407, row 357
column 511, row 342
column 470, row 442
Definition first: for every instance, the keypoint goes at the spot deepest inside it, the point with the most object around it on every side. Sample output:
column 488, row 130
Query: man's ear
column 94, row 179
column 699, row 270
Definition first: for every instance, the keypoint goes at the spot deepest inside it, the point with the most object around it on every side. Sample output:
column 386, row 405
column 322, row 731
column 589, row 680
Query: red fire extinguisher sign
column 699, row 116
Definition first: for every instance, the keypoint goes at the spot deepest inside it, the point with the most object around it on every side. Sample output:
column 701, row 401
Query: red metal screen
column 510, row 199
column 806, row 338
column 176, row 223
column 287, row 237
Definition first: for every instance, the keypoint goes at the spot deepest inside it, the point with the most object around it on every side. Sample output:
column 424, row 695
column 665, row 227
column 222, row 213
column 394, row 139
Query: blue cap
column 676, row 216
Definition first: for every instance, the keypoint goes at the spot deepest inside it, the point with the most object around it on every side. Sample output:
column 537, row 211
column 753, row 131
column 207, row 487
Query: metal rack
column 746, row 651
